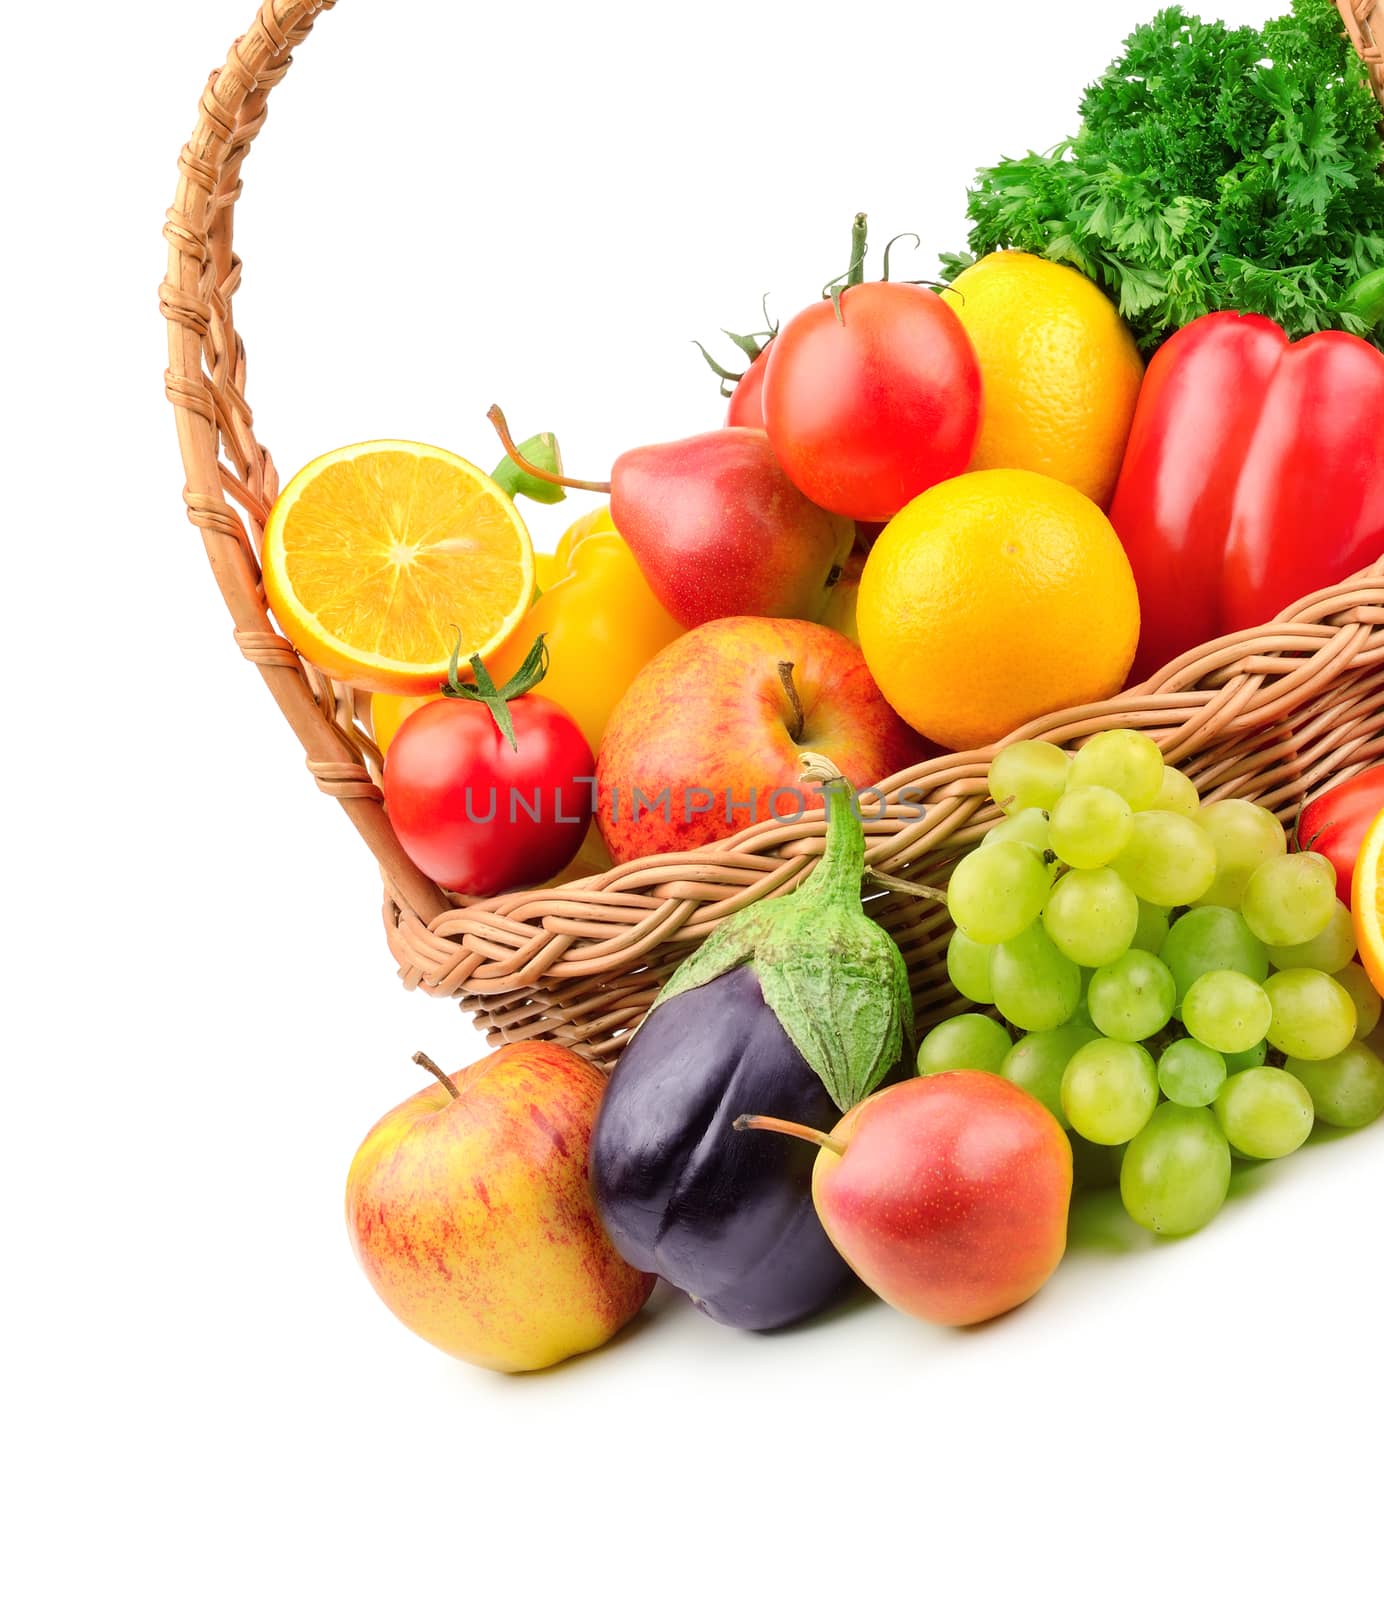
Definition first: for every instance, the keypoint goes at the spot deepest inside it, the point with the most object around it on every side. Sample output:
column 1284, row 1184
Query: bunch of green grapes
column 1174, row 984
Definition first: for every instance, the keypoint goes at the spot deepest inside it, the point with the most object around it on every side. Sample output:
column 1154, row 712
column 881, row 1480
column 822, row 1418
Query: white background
column 539, row 204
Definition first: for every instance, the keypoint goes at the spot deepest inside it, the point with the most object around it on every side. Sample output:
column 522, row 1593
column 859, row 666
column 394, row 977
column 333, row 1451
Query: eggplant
column 794, row 1008
column 728, row 1219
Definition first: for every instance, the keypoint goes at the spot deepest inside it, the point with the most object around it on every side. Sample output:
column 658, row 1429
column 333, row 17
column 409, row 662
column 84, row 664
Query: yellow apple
column 470, row 1210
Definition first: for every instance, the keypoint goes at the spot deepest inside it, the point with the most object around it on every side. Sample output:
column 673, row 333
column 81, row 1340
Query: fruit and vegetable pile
column 931, row 517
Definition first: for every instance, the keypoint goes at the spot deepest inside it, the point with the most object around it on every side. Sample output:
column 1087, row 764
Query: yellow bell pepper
column 387, row 712
column 601, row 621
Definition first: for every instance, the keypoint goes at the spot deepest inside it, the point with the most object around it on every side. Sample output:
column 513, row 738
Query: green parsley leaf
column 1215, row 169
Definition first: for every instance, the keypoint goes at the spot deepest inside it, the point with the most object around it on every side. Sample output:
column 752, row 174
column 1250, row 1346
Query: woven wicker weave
column 1270, row 715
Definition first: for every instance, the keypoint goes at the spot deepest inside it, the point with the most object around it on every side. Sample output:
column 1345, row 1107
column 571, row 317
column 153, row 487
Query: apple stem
column 785, row 672
column 796, row 1130
column 496, row 418
column 430, row 1065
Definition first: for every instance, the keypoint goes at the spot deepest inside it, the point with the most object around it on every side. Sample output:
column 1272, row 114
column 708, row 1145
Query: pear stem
column 785, row 672
column 427, row 1062
column 796, row 1130
column 496, row 418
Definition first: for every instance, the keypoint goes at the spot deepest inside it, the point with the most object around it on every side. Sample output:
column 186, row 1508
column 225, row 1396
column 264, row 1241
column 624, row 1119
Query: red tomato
column 478, row 816
column 868, row 410
column 746, row 408
column 1335, row 823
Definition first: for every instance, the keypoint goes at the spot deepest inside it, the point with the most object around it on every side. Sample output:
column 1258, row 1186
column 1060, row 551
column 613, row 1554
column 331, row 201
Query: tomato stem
column 531, row 673
column 917, row 242
column 855, row 273
column 496, row 418
column 427, row 1062
column 859, row 228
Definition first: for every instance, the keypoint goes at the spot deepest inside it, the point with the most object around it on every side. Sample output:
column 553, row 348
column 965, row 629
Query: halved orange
column 376, row 555
column 1367, row 902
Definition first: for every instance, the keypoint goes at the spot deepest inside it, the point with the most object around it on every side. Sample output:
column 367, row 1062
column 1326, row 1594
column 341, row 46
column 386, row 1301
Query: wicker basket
column 1270, row 715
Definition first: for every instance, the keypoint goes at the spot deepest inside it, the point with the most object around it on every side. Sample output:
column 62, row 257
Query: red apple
column 706, row 739
column 469, row 1207
column 947, row 1195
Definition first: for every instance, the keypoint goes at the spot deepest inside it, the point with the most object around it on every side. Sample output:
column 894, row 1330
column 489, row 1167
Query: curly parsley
column 1215, row 169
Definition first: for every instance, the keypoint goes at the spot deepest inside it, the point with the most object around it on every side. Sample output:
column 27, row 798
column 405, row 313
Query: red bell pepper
column 1254, row 475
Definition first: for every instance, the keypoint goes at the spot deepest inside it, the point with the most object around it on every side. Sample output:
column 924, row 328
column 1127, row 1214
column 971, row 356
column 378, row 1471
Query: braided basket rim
column 607, row 939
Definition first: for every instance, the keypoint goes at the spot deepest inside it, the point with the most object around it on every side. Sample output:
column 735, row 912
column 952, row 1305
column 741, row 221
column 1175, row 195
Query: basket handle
column 205, row 382
column 1364, row 20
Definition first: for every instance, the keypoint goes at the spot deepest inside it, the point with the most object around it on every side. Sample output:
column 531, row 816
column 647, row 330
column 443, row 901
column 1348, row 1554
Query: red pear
column 947, row 1195
column 719, row 530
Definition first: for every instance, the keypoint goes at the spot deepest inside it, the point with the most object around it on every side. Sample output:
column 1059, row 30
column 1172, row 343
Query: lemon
column 1059, row 368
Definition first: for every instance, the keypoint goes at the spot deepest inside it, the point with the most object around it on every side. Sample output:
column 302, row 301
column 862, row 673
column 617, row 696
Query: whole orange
column 993, row 598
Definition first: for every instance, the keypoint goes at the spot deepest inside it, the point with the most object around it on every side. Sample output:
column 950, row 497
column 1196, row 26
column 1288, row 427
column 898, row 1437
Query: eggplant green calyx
column 540, row 451
column 532, row 670
column 835, row 980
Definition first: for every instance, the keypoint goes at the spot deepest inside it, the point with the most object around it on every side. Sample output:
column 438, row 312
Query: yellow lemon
column 1060, row 370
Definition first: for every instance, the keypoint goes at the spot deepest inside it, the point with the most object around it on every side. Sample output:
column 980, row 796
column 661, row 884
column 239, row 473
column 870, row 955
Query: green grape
column 1264, row 1112
column 1368, row 1004
column 1348, row 1089
column 1290, row 898
column 1036, row 986
column 1132, row 998
column 1168, row 861
column 1244, row 836
column 1176, row 1172
column 1089, row 827
column 1152, row 929
column 1130, row 763
column 1092, row 917
column 968, row 967
column 1333, row 948
column 1038, row 1061
column 1313, row 1016
column 1177, row 793
column 1028, row 827
column 1212, row 939
column 995, row 894
column 1227, row 1011
column 970, row 1043
column 1030, row 773
column 1255, row 1056
column 1109, row 1090
column 1190, row 1073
